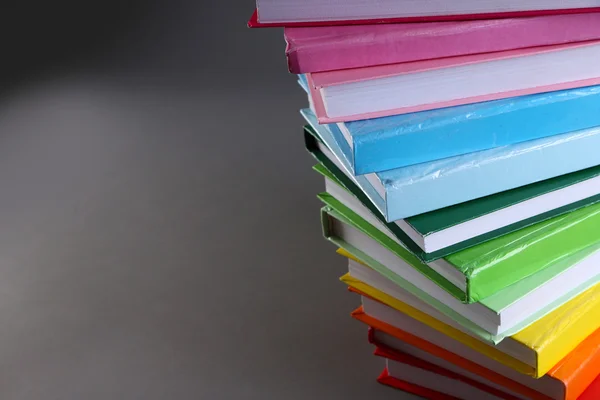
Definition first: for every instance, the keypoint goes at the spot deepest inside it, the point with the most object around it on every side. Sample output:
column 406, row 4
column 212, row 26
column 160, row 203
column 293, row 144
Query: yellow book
column 549, row 339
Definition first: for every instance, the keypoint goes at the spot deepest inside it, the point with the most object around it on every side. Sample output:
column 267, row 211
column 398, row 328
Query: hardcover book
column 382, row 144
column 332, row 48
column 371, row 92
column 478, row 272
column 276, row 13
column 442, row 232
column 591, row 393
column 418, row 189
column 447, row 383
column 504, row 314
column 432, row 386
column 533, row 351
column 565, row 381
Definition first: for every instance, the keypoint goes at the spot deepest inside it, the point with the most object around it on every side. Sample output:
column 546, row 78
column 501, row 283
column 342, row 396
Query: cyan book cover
column 382, row 144
column 405, row 192
column 438, row 220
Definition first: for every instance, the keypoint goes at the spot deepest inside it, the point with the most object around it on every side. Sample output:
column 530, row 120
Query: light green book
column 503, row 313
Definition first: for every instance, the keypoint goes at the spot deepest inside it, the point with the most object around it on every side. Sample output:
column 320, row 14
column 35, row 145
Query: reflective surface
column 158, row 210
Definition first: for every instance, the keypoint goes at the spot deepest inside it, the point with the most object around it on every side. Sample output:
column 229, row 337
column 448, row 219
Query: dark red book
column 323, row 13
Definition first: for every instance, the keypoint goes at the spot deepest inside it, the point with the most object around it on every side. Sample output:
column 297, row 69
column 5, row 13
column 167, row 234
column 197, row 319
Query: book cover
column 321, row 80
column 332, row 48
column 436, row 221
column 382, row 144
column 386, row 379
column 551, row 338
column 406, row 192
column 507, row 259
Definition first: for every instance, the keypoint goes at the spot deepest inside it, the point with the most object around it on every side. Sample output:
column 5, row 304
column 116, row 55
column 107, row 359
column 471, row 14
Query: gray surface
column 159, row 228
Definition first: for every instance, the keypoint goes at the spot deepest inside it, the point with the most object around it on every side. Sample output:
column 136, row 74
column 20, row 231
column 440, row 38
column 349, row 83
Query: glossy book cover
column 405, row 192
column 331, row 48
column 387, row 143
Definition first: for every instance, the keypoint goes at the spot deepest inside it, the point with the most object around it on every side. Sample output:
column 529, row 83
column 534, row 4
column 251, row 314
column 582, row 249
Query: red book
column 417, row 376
column 290, row 13
column 432, row 388
column 592, row 392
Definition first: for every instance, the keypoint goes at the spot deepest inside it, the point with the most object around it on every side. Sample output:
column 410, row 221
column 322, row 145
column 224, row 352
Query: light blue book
column 382, row 144
column 405, row 192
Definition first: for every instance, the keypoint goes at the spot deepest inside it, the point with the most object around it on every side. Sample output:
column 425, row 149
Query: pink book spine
column 342, row 47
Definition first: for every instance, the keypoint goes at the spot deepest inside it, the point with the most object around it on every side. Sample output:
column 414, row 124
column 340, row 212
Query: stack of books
column 459, row 142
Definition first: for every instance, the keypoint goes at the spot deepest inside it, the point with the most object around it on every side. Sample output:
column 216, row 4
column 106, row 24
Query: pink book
column 342, row 47
column 372, row 92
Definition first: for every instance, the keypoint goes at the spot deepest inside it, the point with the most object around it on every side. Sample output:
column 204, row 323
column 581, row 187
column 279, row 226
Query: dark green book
column 440, row 233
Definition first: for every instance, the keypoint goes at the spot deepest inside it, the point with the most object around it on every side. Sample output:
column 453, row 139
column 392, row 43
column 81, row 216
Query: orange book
column 574, row 373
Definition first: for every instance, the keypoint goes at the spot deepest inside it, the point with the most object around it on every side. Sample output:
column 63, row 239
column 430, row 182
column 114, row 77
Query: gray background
column 159, row 229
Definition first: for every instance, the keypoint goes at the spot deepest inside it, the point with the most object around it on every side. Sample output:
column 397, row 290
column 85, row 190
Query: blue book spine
column 393, row 142
column 335, row 145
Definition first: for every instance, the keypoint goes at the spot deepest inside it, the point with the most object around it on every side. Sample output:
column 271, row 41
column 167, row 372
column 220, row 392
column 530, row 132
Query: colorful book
column 533, row 351
column 433, row 386
column 436, row 234
column 406, row 192
column 565, row 381
column 382, row 144
column 504, row 314
column 332, row 48
column 425, row 376
column 591, row 393
column 277, row 13
column 479, row 272
column 371, row 92
column 489, row 320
